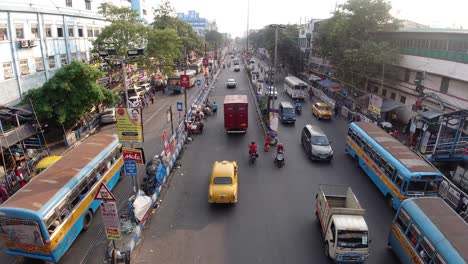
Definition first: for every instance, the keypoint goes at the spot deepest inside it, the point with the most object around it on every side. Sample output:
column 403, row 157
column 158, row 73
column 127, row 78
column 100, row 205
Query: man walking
column 214, row 108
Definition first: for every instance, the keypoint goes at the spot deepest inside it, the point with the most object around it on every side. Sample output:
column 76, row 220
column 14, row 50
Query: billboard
column 129, row 124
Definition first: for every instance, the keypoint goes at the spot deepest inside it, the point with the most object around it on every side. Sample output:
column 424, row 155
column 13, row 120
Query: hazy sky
column 231, row 15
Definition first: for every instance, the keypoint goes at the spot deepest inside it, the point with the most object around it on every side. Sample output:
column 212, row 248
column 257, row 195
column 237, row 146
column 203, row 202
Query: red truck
column 236, row 115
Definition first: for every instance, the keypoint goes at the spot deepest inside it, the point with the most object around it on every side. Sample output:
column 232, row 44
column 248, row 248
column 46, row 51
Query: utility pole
column 248, row 13
column 185, row 89
column 124, row 71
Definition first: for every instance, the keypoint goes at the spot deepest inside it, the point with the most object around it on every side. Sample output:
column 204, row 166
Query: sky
column 231, row 15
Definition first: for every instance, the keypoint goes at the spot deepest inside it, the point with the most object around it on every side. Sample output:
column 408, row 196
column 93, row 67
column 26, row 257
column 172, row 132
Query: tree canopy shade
column 69, row 94
column 349, row 41
column 126, row 31
column 164, row 45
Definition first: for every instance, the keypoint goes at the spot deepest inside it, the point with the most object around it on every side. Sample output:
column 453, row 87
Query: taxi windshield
column 222, row 180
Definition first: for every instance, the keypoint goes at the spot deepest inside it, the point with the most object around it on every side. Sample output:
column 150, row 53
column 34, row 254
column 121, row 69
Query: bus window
column 414, row 234
column 438, row 260
column 403, row 220
column 398, row 180
column 425, row 250
column 417, row 186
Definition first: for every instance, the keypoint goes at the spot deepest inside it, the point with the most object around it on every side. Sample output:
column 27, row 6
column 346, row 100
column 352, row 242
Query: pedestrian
column 311, row 93
column 147, row 100
column 395, row 133
column 3, row 193
column 214, row 108
column 266, row 146
column 152, row 98
column 336, row 110
column 19, row 176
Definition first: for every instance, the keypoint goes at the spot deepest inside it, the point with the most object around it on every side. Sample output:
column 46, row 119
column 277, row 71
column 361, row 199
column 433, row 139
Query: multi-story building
column 145, row 9
column 212, row 26
column 199, row 24
column 38, row 38
column 306, row 36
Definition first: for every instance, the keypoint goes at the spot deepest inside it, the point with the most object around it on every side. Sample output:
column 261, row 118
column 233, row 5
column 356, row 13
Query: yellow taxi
column 322, row 111
column 45, row 163
column 223, row 182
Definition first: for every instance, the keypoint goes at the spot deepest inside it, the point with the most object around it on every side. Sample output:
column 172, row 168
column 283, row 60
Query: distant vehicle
column 145, row 86
column 232, row 56
column 45, row 163
column 428, row 230
column 197, row 66
column 295, row 87
column 223, row 183
column 344, row 228
column 44, row 218
column 236, row 68
column 236, row 62
column 236, row 113
column 271, row 91
column 322, row 110
column 108, row 115
column 231, row 83
column 173, row 82
column 135, row 101
column 286, row 113
column 398, row 172
column 316, row 143
column 135, row 91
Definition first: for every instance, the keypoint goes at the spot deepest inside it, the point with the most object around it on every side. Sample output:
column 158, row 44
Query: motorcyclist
column 280, row 148
column 253, row 148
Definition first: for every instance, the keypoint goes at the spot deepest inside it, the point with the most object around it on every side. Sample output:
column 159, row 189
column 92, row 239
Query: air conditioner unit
column 32, row 43
column 23, row 44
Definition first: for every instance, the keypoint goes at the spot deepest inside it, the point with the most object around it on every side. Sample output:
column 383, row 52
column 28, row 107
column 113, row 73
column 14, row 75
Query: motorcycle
column 253, row 157
column 279, row 160
column 298, row 108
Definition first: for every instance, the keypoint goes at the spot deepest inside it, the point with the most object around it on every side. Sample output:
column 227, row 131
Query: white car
column 134, row 101
column 231, row 83
column 272, row 91
column 108, row 116
column 236, row 68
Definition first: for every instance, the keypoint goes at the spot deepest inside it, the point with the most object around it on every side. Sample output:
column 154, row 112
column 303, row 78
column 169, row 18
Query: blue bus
column 427, row 230
column 398, row 172
column 44, row 218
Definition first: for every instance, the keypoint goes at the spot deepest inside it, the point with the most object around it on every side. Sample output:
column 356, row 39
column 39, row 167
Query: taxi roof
column 350, row 222
column 321, row 104
column 223, row 168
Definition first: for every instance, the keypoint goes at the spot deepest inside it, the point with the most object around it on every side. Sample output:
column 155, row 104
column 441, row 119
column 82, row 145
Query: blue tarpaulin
column 328, row 83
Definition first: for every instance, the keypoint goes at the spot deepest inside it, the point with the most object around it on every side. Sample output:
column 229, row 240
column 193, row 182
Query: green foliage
column 349, row 40
column 125, row 32
column 69, row 94
column 214, row 39
column 164, row 45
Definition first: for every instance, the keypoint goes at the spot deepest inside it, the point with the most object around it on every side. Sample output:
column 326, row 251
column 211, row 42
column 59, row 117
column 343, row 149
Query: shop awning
column 389, row 105
column 10, row 138
column 328, row 83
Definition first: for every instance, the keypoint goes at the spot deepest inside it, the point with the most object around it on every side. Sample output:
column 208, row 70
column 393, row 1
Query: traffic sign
column 198, row 83
column 184, row 81
column 130, row 168
column 104, row 194
column 179, row 104
column 205, row 62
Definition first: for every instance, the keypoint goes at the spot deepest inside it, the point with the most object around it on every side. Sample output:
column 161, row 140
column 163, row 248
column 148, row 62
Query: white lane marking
column 147, row 120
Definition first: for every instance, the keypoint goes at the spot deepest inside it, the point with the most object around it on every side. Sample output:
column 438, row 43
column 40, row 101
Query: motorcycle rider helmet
column 253, row 142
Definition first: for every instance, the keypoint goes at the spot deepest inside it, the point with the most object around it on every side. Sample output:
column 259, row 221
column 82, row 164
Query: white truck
column 344, row 229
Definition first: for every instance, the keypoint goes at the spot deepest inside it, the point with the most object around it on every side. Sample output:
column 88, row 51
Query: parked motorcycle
column 279, row 160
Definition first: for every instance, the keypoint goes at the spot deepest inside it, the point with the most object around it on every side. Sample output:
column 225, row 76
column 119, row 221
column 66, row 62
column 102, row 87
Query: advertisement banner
column 375, row 104
column 110, row 219
column 129, row 125
column 134, row 154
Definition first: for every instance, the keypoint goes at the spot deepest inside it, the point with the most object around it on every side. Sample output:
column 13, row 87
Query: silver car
column 231, row 83
column 108, row 116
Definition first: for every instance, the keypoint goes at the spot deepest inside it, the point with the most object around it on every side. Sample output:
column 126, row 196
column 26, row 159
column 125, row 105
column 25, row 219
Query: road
column 91, row 245
column 274, row 219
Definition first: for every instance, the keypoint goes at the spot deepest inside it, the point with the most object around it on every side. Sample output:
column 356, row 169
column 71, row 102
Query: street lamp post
column 276, row 26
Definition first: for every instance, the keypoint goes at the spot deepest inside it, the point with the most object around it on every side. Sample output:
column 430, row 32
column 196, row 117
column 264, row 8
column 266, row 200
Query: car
column 223, row 186
column 316, row 143
column 44, row 164
column 236, row 68
column 232, row 56
column 108, row 115
column 272, row 91
column 134, row 101
column 322, row 110
column 231, row 83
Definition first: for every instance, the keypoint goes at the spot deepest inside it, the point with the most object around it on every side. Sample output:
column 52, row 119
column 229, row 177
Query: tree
column 165, row 46
column 125, row 32
column 70, row 94
column 350, row 42
column 214, row 39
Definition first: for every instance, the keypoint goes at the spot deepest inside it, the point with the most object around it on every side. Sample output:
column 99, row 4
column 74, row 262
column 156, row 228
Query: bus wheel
column 390, row 200
column 87, row 220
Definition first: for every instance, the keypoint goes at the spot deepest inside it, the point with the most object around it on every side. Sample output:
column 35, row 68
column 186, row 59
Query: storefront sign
column 134, row 154
column 375, row 104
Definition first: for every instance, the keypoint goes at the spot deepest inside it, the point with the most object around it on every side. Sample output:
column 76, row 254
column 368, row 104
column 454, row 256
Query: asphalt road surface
column 274, row 220
column 91, row 245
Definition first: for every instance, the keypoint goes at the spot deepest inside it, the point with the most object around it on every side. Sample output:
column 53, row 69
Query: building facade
column 38, row 39
column 145, row 9
column 306, row 36
column 199, row 24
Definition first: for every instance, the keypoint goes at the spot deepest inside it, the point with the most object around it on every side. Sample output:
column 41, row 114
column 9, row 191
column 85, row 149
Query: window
column 426, row 250
column 71, row 32
column 34, row 31
column 69, row 3
column 392, row 96
column 444, row 84
column 438, row 260
column 19, row 31
column 80, row 32
column 7, row 70
column 398, row 180
column 376, row 89
column 402, row 99
column 48, row 31
column 73, row 56
column 60, row 31
column 403, row 220
column 63, row 59
column 3, row 32
column 90, row 33
column 39, row 64
column 96, row 32
column 52, row 62
column 144, row 12
column 24, row 67
column 384, row 93
column 414, row 234
column 88, row 4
